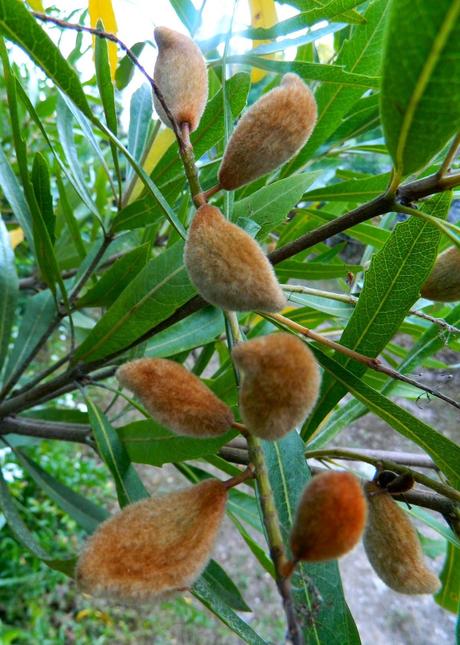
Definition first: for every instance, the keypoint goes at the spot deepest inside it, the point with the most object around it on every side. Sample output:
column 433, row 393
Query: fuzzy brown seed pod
column 154, row 547
column 330, row 519
column 176, row 398
column 228, row 267
column 280, row 381
column 180, row 73
column 270, row 133
column 443, row 284
column 393, row 548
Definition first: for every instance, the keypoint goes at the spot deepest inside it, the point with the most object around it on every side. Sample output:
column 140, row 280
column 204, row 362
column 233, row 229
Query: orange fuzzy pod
column 393, row 548
column 180, row 73
column 330, row 519
column 228, row 268
column 154, row 547
column 280, row 381
column 270, row 133
column 443, row 284
column 176, row 398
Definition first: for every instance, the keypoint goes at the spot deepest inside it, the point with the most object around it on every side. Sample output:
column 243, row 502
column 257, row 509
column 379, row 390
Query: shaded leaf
column 128, row 484
column 125, row 69
column 355, row 190
column 41, row 183
column 8, row 291
column 419, row 107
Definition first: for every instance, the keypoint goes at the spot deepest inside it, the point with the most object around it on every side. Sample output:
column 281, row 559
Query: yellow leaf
column 159, row 146
column 263, row 14
column 16, row 236
column 36, row 5
column 103, row 10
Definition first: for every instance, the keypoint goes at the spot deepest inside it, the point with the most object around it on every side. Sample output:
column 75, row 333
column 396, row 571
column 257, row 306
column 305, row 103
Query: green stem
column 191, row 171
column 446, row 164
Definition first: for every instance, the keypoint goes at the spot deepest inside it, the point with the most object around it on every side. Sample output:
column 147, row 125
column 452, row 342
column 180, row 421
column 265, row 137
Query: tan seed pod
column 330, row 518
column 393, row 548
column 154, row 547
column 280, row 381
column 180, row 73
column 443, row 284
column 228, row 268
column 176, row 398
column 270, row 133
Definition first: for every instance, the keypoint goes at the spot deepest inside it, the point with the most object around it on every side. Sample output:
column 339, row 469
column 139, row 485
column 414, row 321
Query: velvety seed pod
column 180, row 73
column 176, row 398
column 393, row 548
column 154, row 547
column 443, row 283
column 228, row 268
column 280, row 381
column 330, row 519
column 270, row 133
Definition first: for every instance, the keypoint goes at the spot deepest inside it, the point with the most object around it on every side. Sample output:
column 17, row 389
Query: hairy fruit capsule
column 443, row 284
column 176, row 398
column 228, row 268
column 180, row 73
column 280, row 381
column 393, row 548
column 270, row 133
column 330, row 518
column 154, row 547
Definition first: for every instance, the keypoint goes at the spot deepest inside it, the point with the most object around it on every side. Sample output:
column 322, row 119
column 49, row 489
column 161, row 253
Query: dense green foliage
column 99, row 279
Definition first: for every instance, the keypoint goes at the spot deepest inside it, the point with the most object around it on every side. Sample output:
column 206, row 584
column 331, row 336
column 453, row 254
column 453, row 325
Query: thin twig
column 353, row 300
column 372, row 363
column 45, row 429
column 451, row 154
column 355, row 455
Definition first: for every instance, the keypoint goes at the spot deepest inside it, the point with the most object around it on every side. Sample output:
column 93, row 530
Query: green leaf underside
column 391, row 286
column 326, row 621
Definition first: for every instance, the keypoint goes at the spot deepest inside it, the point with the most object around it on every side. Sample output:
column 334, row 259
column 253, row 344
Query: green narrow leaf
column 87, row 514
column 314, row 270
column 41, row 183
column 361, row 54
column 270, row 205
column 154, row 294
column 420, row 107
column 289, row 474
column 25, row 537
column 146, row 442
column 141, row 212
column 328, row 11
column 206, row 595
column 68, row 214
column 391, row 286
column 310, row 71
column 106, row 92
column 448, row 597
column 224, row 586
column 125, row 69
column 140, row 121
column 15, row 197
column 196, row 330
column 128, row 484
column 8, row 291
column 116, row 278
column 19, row 26
column 187, row 13
column 39, row 311
column 444, row 452
column 355, row 190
